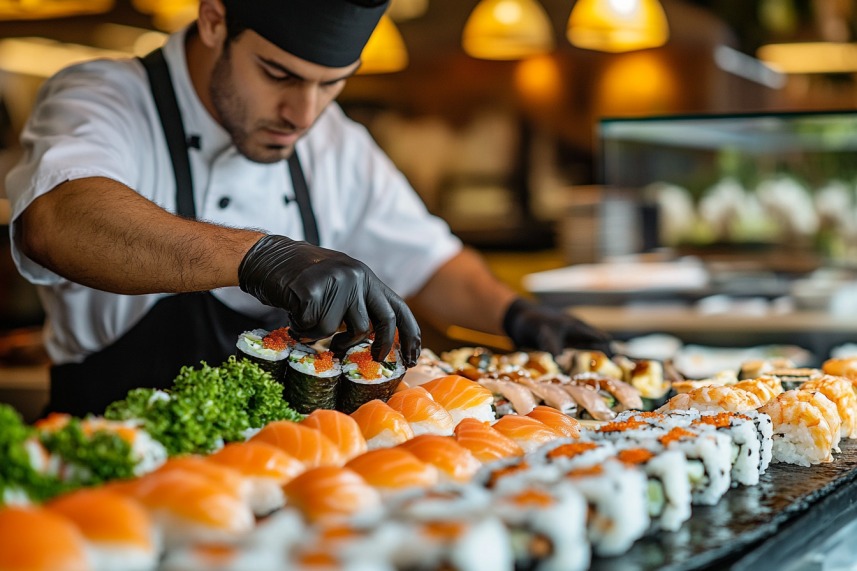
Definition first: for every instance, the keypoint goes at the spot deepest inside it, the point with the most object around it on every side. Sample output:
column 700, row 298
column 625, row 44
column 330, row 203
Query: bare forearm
column 101, row 234
column 464, row 292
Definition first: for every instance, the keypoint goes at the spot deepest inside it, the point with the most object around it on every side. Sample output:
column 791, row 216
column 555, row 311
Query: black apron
column 178, row 330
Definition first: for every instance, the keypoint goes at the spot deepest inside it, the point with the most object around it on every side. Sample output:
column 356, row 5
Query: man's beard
column 233, row 115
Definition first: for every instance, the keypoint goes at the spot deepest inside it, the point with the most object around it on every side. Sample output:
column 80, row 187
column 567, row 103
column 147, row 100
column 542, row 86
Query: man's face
column 267, row 98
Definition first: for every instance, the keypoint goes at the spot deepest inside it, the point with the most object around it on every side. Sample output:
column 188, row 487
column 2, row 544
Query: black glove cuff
column 247, row 267
column 515, row 309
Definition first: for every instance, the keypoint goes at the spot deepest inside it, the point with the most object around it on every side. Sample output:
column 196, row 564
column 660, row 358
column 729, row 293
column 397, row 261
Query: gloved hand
column 321, row 289
column 547, row 329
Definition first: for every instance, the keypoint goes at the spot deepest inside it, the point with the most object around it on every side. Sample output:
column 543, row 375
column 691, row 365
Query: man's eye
column 277, row 77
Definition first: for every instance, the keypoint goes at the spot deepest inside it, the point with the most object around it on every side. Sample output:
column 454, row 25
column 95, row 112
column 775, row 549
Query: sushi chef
column 168, row 203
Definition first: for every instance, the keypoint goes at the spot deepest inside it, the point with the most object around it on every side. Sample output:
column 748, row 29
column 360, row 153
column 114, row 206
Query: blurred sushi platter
column 288, row 456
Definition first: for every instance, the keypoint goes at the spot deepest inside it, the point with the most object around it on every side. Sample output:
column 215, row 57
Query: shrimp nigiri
column 841, row 392
column 421, row 411
column 329, row 494
column 308, row 445
column 484, row 442
column 454, row 461
column 562, row 423
column 802, row 435
column 36, row 539
column 381, row 425
column 528, row 432
column 462, row 397
column 390, row 469
column 340, row 428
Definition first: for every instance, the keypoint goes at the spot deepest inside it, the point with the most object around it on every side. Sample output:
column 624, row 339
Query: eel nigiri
column 308, row 445
column 36, row 539
column 118, row 529
column 340, row 428
column 484, row 442
column 562, row 423
column 454, row 461
column 528, row 432
column 421, row 411
column 329, row 494
column 381, row 425
column 462, row 397
column 391, row 469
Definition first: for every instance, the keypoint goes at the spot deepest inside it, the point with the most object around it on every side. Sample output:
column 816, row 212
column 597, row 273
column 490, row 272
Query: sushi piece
column 463, row 398
column 713, row 399
column 841, row 392
column 527, row 432
column 844, row 367
column 453, row 461
column 548, row 524
column 792, row 378
column 312, row 379
column 268, row 349
column 216, row 557
column 340, row 428
column 330, row 495
column 595, row 362
column 345, row 547
column 801, row 432
column 37, row 539
column 567, row 456
column 382, row 427
column 509, row 397
column 265, row 468
column 765, row 391
column 618, row 394
column 190, row 508
column 214, row 472
column 828, row 411
column 562, row 423
column 647, row 377
column 428, row 368
column 549, row 393
column 118, row 530
column 309, row 446
column 471, row 362
column 759, row 367
column 393, row 469
column 421, row 411
column 668, row 488
column 592, row 403
column 746, row 456
column 364, row 379
column 485, row 442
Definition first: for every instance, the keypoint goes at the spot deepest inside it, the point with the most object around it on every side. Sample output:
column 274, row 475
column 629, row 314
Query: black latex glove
column 321, row 289
column 544, row 328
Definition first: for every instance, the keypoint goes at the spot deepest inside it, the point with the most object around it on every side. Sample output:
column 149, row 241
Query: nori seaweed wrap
column 364, row 379
column 312, row 379
column 268, row 349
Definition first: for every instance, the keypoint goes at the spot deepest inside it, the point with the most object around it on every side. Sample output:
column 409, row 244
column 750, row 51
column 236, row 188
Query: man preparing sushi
column 165, row 204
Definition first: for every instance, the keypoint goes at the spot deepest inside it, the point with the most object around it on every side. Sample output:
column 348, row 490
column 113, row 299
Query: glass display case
column 775, row 187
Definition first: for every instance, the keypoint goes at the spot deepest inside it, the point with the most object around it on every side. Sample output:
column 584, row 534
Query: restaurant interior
column 681, row 173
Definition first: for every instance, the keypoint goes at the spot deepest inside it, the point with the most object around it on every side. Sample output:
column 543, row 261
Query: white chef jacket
column 98, row 119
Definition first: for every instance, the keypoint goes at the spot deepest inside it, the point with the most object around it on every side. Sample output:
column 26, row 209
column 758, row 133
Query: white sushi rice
column 670, row 469
column 265, row 495
column 482, row 412
column 299, row 362
column 113, row 556
column 251, row 343
column 385, row 439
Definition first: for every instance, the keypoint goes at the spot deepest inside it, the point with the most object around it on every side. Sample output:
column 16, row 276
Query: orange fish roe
column 622, row 426
column 278, row 339
column 444, row 530
column 675, row 434
column 535, row 498
column 596, row 470
column 368, row 368
column 720, row 420
column 501, row 473
column 634, row 456
column 324, row 362
column 571, row 450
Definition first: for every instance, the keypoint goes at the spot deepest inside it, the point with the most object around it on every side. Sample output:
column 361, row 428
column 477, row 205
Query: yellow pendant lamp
column 507, row 30
column 617, row 25
column 385, row 52
column 45, row 9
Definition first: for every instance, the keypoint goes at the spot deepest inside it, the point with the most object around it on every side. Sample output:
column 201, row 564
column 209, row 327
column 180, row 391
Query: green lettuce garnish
column 92, row 459
column 17, row 473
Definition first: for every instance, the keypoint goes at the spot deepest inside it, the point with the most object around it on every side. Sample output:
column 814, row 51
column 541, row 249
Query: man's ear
column 212, row 23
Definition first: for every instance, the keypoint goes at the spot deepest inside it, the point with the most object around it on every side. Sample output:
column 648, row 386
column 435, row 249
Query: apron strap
column 303, row 200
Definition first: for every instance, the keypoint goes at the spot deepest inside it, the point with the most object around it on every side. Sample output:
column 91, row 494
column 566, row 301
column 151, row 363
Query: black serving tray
column 757, row 527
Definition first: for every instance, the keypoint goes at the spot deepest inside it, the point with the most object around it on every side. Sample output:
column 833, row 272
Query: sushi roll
column 709, row 457
column 547, row 525
column 268, row 349
column 746, row 456
column 382, row 426
column 454, row 462
column 119, row 532
column 421, row 411
column 527, row 432
column 391, row 470
column 364, row 379
column 212, row 557
column 841, row 392
column 265, row 468
column 340, row 428
column 463, row 398
column 484, row 442
column 801, row 432
column 309, row 446
column 570, row 455
column 37, row 539
column 312, row 379
column 332, row 495
column 668, row 488
column 562, row 423
column 346, row 547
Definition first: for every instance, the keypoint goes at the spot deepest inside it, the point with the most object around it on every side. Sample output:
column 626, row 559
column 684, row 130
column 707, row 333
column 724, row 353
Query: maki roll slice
column 364, row 379
column 312, row 379
column 268, row 349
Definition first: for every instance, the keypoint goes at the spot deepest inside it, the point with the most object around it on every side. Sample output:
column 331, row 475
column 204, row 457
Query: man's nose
column 300, row 107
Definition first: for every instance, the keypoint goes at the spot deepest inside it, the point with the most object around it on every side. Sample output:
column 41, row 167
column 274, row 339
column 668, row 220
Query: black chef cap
column 331, row 33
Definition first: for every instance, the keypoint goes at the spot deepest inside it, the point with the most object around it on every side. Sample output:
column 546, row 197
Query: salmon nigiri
column 381, row 425
column 36, row 539
column 421, row 411
column 328, row 494
column 454, row 461
column 391, row 469
column 308, row 445
column 484, row 442
column 528, row 432
column 219, row 474
column 340, row 428
column 462, row 397
column 118, row 529
column 562, row 423
column 265, row 467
